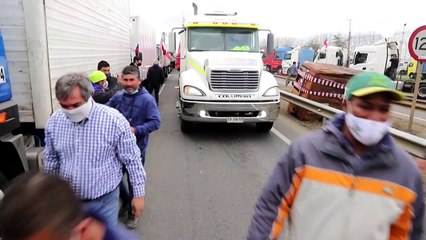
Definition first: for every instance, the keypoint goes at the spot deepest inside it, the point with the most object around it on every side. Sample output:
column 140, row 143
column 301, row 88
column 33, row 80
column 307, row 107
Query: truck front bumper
column 231, row 112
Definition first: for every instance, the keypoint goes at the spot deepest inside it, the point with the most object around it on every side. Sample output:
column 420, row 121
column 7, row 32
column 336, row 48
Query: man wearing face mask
column 140, row 109
column 349, row 180
column 102, row 93
column 87, row 144
column 39, row 206
column 106, row 69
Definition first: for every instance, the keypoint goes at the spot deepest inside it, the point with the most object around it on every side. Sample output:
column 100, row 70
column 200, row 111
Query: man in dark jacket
column 101, row 93
column 155, row 78
column 105, row 68
column 139, row 108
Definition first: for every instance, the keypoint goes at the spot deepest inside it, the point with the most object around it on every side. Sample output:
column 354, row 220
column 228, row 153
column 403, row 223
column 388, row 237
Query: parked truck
column 332, row 55
column 142, row 43
column 42, row 41
column 377, row 57
column 221, row 73
column 297, row 55
column 273, row 61
column 409, row 85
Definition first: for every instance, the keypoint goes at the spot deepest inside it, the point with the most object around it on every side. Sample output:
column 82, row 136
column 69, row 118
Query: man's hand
column 133, row 130
column 138, row 203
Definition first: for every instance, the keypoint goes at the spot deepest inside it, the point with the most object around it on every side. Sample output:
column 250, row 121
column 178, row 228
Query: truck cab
column 273, row 61
column 297, row 55
column 221, row 73
column 376, row 57
column 332, row 55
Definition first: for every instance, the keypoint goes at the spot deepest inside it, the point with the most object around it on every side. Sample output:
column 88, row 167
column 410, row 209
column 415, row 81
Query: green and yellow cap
column 97, row 76
column 368, row 83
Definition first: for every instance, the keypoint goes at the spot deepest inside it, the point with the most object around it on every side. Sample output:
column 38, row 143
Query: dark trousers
column 126, row 195
column 156, row 88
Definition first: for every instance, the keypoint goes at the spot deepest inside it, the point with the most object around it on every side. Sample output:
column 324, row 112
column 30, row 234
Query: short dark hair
column 102, row 64
column 36, row 202
column 131, row 70
column 137, row 58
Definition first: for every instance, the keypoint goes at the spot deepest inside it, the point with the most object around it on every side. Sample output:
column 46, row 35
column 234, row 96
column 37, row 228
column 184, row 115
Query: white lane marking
column 280, row 135
column 405, row 115
column 162, row 87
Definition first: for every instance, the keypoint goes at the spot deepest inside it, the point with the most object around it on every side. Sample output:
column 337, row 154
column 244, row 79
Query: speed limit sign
column 417, row 44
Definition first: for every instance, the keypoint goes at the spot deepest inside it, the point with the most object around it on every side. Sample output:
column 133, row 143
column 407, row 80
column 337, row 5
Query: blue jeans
column 106, row 206
column 126, row 196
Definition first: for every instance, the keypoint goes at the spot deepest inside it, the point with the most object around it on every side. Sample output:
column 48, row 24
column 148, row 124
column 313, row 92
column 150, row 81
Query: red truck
column 274, row 60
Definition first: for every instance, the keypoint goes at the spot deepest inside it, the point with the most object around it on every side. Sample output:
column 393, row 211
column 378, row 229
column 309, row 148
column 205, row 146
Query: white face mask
column 105, row 84
column 367, row 132
column 79, row 114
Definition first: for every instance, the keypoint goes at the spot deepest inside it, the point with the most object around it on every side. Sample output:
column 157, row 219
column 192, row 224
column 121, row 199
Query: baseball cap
column 368, row 83
column 97, row 76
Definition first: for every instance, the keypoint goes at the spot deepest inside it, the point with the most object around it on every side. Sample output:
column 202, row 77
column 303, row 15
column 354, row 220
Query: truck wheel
column 279, row 70
column 412, row 75
column 264, row 126
column 422, row 92
column 186, row 126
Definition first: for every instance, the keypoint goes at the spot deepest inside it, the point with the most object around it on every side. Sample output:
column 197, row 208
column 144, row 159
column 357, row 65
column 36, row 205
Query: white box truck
column 221, row 73
column 42, row 41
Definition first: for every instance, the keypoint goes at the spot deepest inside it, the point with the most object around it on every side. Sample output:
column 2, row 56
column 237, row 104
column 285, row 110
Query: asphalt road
column 204, row 185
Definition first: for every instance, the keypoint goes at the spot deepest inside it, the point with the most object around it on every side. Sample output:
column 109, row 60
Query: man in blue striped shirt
column 87, row 144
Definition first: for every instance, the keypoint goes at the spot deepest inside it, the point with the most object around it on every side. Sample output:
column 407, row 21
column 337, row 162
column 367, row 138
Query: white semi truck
column 42, row 41
column 376, row 57
column 221, row 73
column 332, row 55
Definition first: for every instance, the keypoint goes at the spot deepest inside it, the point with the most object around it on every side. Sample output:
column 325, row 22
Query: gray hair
column 131, row 70
column 68, row 82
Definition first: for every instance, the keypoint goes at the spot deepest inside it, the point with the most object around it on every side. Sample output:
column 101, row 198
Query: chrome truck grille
column 234, row 80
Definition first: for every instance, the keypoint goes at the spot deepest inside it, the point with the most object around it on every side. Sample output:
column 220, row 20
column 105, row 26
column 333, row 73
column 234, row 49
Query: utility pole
column 402, row 42
column 349, row 42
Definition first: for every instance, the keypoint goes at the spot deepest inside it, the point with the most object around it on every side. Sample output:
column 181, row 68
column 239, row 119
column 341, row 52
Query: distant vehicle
column 375, row 57
column 142, row 40
column 297, row 55
column 412, row 70
column 273, row 62
column 163, row 55
column 403, row 68
column 332, row 55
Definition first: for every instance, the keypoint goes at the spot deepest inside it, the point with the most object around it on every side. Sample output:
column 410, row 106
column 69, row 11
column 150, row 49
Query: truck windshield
column 223, row 39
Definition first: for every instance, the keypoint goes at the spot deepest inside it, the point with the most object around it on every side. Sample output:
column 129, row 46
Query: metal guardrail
column 413, row 144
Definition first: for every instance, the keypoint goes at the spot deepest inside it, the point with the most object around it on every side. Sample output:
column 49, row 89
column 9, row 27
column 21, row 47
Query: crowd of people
column 357, row 184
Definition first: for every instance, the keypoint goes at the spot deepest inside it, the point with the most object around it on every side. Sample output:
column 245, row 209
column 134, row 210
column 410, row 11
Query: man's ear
column 82, row 227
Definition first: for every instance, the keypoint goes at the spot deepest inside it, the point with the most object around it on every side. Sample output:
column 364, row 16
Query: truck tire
column 412, row 75
column 264, row 126
column 279, row 70
column 186, row 126
column 422, row 92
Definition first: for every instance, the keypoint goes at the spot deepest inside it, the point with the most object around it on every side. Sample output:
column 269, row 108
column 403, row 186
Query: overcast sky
column 299, row 19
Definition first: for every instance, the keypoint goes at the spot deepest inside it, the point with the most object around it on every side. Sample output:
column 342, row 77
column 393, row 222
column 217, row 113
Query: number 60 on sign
column 417, row 44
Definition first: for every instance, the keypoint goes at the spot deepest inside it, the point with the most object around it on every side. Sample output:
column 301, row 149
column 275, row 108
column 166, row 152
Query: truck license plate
column 235, row 119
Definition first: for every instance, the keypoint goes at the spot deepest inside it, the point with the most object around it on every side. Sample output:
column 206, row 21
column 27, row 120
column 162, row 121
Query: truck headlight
column 193, row 91
column 271, row 92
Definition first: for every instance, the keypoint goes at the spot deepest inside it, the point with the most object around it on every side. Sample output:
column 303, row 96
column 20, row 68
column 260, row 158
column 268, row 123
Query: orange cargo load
column 320, row 82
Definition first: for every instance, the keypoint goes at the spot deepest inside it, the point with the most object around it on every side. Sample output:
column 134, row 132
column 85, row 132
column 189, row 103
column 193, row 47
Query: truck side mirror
column 172, row 41
column 270, row 43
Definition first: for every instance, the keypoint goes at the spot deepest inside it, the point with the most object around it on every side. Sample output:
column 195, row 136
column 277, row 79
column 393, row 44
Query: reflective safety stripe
column 196, row 66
